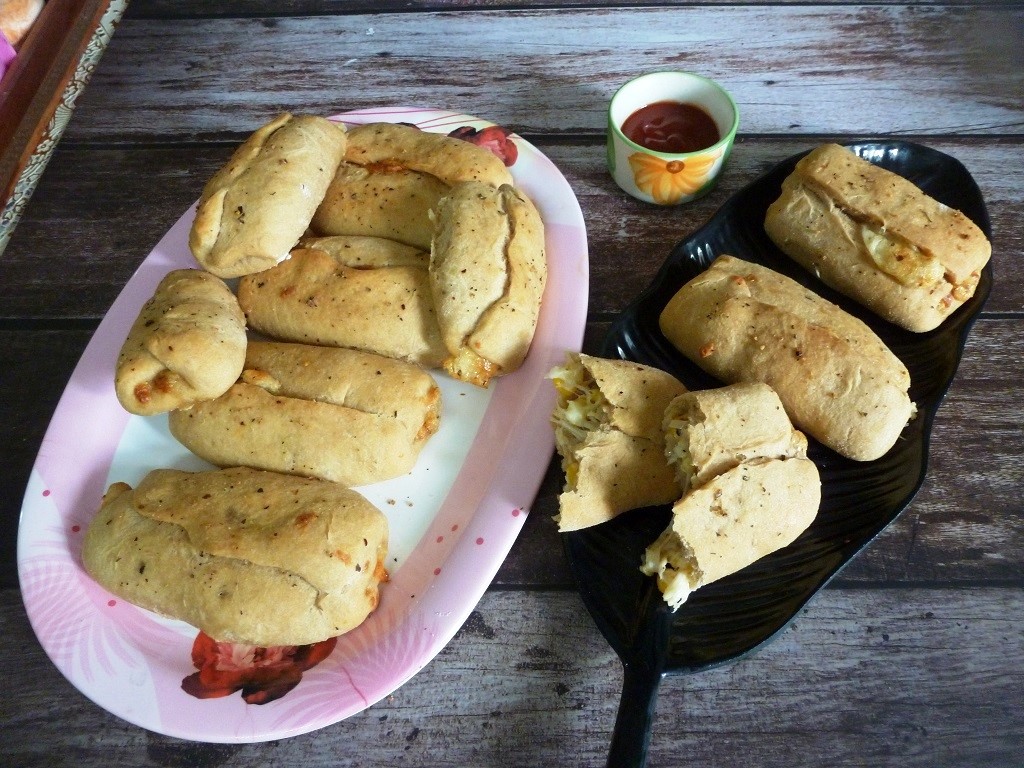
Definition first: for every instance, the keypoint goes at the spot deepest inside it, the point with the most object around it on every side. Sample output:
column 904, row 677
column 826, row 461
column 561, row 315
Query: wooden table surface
column 913, row 656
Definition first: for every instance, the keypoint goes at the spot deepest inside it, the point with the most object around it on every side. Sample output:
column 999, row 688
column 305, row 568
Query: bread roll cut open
column 608, row 433
column 708, row 432
column 749, row 488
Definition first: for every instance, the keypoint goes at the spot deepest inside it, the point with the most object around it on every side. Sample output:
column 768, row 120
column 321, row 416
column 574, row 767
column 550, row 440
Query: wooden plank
column 886, row 69
column 863, row 677
column 184, row 9
column 103, row 210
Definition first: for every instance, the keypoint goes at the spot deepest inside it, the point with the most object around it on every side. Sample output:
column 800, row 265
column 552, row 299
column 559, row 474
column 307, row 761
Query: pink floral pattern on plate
column 132, row 663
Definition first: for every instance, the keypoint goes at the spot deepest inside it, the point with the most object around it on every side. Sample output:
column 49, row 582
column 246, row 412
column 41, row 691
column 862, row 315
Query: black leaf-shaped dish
column 727, row 619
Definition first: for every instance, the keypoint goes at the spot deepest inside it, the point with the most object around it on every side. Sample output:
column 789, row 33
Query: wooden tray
column 39, row 90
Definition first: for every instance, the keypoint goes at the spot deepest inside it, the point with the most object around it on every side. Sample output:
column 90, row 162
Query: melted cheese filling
column 677, row 451
column 672, row 561
column 906, row 263
column 581, row 409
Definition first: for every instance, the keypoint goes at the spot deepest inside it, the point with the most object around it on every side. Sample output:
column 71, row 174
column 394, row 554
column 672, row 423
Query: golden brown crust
column 876, row 237
column 708, row 432
column 446, row 158
column 313, row 298
column 837, row 380
column 390, row 202
column 246, row 556
column 366, row 252
column 487, row 277
column 731, row 521
column 339, row 414
column 187, row 344
column 253, row 211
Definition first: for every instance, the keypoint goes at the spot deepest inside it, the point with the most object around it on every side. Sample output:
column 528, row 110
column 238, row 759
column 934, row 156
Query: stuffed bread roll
column 749, row 488
column 246, row 556
column 254, row 210
column 187, row 344
column 608, row 433
column 710, row 431
column 876, row 237
column 380, row 201
column 733, row 520
column 314, row 298
column 367, row 252
column 837, row 380
column 339, row 414
column 450, row 160
column 487, row 277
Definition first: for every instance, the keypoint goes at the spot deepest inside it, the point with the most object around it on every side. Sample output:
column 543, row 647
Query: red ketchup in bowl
column 672, row 127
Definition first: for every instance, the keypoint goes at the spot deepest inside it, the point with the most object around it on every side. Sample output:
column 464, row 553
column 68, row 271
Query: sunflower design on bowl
column 670, row 181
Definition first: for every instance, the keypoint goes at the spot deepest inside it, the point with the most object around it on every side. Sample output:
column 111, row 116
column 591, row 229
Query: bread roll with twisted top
column 255, row 209
column 187, row 344
column 380, row 201
column 837, row 380
column 450, row 160
column 487, row 277
column 876, row 237
column 367, row 252
column 246, row 556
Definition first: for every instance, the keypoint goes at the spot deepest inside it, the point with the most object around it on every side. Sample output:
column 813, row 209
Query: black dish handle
column 632, row 734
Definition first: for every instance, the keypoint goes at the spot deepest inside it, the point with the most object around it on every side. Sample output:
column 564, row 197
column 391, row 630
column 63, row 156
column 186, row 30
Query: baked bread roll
column 450, row 160
column 314, row 298
column 246, row 556
column 187, row 344
column 337, row 414
column 837, row 380
column 731, row 521
column 366, row 252
column 255, row 209
column 749, row 488
column 708, row 432
column 487, row 276
column 608, row 432
column 876, row 237
column 380, row 201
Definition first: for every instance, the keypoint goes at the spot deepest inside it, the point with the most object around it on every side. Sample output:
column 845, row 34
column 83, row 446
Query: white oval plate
column 453, row 519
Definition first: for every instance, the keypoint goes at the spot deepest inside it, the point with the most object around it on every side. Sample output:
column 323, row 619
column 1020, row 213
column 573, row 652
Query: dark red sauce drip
column 671, row 126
